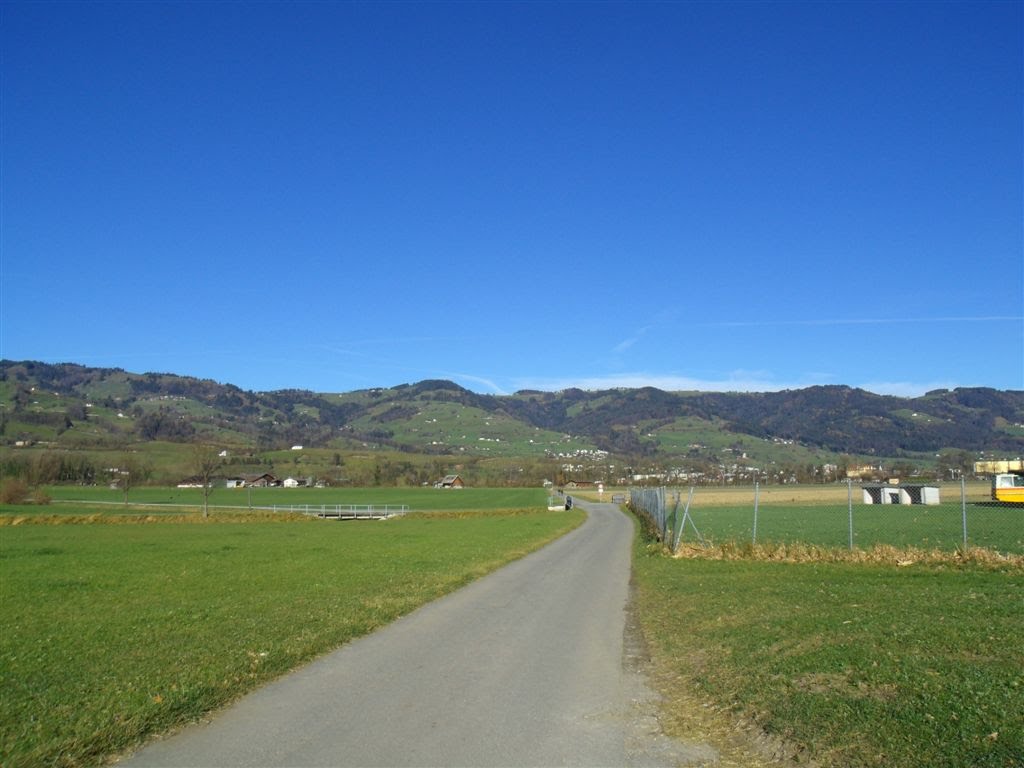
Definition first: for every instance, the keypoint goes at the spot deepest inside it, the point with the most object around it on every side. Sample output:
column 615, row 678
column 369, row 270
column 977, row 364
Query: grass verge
column 115, row 632
column 844, row 663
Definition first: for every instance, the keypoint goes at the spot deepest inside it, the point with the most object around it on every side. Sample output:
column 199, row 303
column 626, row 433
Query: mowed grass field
column 416, row 499
column 844, row 663
column 1000, row 528
column 819, row 515
column 113, row 632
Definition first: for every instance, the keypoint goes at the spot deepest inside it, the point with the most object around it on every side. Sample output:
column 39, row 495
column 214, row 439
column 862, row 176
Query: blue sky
column 335, row 196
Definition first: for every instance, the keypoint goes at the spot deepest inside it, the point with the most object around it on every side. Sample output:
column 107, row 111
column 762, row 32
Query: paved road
column 526, row 667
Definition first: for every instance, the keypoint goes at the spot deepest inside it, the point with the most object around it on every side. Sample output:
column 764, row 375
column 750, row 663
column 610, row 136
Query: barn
column 450, row 481
column 260, row 481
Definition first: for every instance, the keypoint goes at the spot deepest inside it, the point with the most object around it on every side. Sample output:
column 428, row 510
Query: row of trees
column 70, row 467
column 948, row 465
column 475, row 471
column 131, row 469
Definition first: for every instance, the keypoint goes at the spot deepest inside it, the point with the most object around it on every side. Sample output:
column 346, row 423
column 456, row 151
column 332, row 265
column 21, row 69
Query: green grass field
column 848, row 664
column 416, row 499
column 820, row 515
column 1000, row 528
column 115, row 632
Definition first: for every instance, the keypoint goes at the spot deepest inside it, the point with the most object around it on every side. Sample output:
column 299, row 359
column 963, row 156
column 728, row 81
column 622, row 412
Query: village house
column 450, row 481
column 264, row 480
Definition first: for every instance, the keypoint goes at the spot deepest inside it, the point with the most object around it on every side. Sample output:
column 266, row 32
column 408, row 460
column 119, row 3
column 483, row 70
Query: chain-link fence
column 852, row 515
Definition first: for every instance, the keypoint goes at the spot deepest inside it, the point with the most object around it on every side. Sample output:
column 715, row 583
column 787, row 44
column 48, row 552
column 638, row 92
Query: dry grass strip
column 880, row 554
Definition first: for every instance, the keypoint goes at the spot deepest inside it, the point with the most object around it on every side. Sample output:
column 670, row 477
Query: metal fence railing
column 336, row 511
column 347, row 511
column 844, row 515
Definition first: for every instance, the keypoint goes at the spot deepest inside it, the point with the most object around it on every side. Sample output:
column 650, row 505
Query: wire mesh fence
column 845, row 515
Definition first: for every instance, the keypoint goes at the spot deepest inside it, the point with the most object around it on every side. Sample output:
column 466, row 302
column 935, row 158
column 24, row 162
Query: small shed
column 923, row 494
column 450, row 481
column 889, row 493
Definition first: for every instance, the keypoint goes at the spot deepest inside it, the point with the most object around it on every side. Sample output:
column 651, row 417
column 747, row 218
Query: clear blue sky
column 335, row 196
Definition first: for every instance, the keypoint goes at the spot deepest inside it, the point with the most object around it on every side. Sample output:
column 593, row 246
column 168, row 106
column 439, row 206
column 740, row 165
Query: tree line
column 70, row 467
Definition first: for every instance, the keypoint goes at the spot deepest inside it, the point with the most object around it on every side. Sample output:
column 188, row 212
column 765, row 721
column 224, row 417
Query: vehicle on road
column 1008, row 488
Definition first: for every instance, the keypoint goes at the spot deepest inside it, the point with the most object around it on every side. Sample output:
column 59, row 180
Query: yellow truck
column 1008, row 487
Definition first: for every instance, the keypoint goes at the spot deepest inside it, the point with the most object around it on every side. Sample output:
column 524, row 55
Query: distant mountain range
column 80, row 407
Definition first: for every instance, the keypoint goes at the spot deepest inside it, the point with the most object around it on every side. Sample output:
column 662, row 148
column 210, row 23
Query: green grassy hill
column 414, row 433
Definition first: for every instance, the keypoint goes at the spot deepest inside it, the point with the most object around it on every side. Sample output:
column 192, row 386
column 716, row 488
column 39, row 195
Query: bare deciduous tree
column 206, row 461
column 132, row 471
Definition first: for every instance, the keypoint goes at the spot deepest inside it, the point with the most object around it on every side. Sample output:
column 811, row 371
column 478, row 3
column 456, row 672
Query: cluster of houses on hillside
column 267, row 480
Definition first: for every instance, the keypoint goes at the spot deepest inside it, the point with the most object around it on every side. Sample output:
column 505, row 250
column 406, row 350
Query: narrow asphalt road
column 530, row 666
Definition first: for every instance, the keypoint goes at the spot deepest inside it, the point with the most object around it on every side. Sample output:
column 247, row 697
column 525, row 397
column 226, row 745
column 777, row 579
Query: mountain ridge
column 110, row 404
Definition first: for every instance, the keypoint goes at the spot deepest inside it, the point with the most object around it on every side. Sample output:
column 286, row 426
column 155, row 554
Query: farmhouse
column 265, row 480
column 888, row 493
column 253, row 481
column 450, row 481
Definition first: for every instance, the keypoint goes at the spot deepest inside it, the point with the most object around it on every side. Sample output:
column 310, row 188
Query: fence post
column 849, row 504
column 663, row 506
column 670, row 528
column 678, row 531
column 682, row 525
column 963, row 507
column 755, row 511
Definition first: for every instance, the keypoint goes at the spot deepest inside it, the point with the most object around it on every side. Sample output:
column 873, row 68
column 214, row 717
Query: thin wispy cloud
column 625, row 344
column 739, row 381
column 667, row 382
column 907, row 388
column 860, row 321
column 468, row 377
